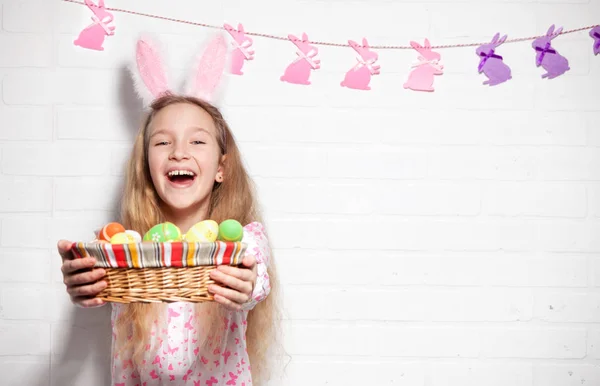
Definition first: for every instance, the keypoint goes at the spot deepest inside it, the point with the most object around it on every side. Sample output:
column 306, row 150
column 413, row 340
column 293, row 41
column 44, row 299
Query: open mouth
column 181, row 177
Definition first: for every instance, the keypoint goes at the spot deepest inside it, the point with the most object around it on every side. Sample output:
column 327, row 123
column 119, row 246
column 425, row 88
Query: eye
column 161, row 143
column 198, row 142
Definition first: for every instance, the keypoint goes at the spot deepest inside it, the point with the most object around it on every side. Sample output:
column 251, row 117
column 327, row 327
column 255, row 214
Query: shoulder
column 254, row 226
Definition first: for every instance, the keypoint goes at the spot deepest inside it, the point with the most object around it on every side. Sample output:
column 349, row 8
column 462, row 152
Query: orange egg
column 109, row 230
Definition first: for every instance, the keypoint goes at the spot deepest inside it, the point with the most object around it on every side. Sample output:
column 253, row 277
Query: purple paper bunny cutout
column 595, row 34
column 92, row 37
column 241, row 48
column 547, row 57
column 491, row 64
column 299, row 70
column 359, row 76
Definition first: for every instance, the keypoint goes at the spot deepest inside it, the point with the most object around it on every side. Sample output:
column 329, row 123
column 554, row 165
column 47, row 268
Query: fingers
column 64, row 249
column 236, row 284
column 86, row 290
column 86, row 302
column 234, row 278
column 80, row 277
column 84, row 277
column 70, row 266
column 227, row 302
column 249, row 261
column 243, row 274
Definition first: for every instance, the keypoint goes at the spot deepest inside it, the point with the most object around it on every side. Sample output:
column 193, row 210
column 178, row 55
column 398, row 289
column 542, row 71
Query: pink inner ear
column 151, row 68
column 210, row 69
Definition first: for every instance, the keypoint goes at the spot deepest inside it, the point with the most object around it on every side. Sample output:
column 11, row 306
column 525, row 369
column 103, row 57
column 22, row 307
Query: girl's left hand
column 234, row 285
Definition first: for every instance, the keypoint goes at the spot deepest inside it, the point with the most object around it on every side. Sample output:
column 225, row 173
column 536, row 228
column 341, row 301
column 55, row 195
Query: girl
column 185, row 167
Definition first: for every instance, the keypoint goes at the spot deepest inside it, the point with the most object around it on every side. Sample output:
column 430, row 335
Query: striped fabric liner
column 154, row 255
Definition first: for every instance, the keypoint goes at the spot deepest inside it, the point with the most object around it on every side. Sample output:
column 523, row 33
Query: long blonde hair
column 233, row 198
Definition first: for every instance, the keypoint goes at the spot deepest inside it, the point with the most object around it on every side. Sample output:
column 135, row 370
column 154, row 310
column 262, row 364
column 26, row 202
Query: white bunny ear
column 208, row 71
column 148, row 70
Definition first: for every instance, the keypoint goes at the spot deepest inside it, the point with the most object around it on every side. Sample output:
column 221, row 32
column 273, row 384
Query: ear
column 550, row 30
column 149, row 75
column 220, row 169
column 101, row 3
column 240, row 27
column 495, row 38
column 415, row 45
column 558, row 31
column 427, row 44
column 502, row 39
column 365, row 43
column 304, row 36
column 208, row 71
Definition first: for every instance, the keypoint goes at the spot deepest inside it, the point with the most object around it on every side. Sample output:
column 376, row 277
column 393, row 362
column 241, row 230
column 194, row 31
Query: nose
column 179, row 151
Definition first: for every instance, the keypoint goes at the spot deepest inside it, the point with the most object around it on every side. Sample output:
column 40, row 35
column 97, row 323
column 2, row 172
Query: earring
column 219, row 178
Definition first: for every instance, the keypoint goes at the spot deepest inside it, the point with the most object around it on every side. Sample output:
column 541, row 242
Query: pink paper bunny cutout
column 491, row 64
column 92, row 36
column 241, row 50
column 421, row 78
column 359, row 76
column 547, row 57
column 299, row 70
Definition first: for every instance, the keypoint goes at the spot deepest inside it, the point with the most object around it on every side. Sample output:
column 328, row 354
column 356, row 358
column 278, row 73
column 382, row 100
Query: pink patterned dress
column 177, row 360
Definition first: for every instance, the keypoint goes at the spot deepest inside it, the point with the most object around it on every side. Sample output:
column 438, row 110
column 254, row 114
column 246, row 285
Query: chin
column 188, row 201
column 180, row 203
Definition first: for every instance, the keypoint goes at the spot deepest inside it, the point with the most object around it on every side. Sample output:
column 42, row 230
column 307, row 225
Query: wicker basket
column 150, row 272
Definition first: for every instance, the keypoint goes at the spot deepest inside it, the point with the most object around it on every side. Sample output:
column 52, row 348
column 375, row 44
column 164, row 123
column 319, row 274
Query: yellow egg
column 135, row 235
column 205, row 231
column 122, row 238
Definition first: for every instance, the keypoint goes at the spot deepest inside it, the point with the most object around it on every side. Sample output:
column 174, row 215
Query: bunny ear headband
column 150, row 75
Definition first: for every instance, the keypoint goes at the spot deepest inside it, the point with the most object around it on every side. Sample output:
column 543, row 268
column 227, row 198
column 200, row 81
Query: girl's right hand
column 80, row 277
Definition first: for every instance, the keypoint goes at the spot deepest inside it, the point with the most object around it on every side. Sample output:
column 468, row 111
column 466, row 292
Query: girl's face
column 184, row 159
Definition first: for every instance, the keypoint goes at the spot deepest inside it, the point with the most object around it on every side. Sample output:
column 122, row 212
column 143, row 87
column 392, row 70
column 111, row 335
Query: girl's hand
column 80, row 277
column 234, row 285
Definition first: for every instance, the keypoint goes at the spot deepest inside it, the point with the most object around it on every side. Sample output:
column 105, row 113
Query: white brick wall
column 446, row 239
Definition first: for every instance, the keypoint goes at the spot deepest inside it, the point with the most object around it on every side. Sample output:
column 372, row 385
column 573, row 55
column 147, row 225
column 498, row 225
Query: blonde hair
column 233, row 198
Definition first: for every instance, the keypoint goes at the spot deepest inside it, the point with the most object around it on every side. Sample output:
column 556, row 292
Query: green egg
column 231, row 230
column 162, row 233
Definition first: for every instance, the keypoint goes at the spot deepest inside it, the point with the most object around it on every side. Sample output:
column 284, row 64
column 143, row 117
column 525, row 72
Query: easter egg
column 231, row 230
column 136, row 236
column 109, row 230
column 164, row 232
column 204, row 231
column 122, row 238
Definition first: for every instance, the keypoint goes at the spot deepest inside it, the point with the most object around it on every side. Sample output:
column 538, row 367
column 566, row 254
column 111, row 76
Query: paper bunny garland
column 151, row 76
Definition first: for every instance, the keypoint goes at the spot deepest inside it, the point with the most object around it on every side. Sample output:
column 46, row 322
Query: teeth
column 181, row 173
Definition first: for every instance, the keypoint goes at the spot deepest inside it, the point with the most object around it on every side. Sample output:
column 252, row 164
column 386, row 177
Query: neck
column 186, row 218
